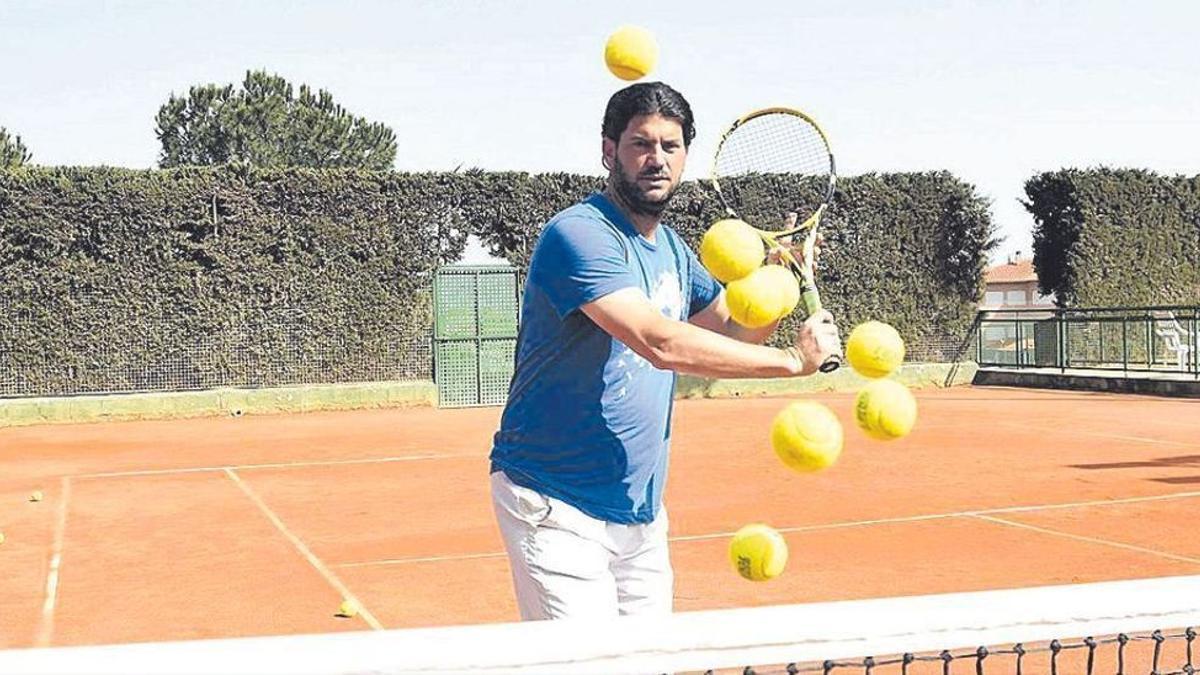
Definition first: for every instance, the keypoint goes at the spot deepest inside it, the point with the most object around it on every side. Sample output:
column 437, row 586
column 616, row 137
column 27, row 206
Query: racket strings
column 779, row 153
column 774, row 143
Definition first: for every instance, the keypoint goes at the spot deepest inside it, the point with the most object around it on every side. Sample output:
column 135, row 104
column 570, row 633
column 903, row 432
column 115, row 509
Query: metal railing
column 1160, row 339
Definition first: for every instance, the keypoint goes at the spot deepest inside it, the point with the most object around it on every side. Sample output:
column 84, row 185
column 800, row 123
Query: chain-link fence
column 1134, row 339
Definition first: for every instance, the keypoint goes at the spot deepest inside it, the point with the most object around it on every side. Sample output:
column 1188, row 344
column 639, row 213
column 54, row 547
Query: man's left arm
column 716, row 317
column 713, row 313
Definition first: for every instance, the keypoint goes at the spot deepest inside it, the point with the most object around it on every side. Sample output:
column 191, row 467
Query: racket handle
column 812, row 304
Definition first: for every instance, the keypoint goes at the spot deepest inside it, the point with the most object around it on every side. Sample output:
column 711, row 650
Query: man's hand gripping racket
column 776, row 147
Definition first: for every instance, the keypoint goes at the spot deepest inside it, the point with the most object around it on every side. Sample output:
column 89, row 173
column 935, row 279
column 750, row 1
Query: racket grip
column 812, row 304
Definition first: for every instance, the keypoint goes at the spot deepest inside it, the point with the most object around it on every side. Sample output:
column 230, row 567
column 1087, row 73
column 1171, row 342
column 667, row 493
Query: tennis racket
column 779, row 156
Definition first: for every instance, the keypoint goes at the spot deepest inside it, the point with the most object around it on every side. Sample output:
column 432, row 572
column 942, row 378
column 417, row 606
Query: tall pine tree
column 265, row 124
column 13, row 152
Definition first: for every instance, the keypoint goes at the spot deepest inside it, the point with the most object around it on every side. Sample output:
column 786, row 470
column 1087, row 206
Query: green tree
column 265, row 124
column 13, row 152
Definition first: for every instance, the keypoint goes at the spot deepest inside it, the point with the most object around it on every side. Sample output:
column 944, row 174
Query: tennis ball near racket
column 731, row 249
column 758, row 552
column 767, row 294
column 807, row 436
column 875, row 349
column 631, row 52
column 885, row 410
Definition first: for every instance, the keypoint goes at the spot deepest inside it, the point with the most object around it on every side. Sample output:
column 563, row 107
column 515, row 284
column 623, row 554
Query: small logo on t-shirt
column 666, row 296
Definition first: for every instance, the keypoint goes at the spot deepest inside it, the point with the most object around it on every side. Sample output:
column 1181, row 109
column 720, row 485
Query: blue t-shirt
column 587, row 419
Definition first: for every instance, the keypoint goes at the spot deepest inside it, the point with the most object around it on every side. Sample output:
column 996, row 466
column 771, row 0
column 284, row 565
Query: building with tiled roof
column 1013, row 284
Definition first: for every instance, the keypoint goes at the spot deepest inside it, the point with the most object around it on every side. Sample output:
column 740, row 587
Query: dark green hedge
column 215, row 276
column 1107, row 237
column 227, row 276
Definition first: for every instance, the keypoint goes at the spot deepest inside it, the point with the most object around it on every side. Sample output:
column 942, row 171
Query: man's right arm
column 674, row 345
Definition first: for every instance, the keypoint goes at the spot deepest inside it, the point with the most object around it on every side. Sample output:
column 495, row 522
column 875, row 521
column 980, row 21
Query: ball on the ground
column 348, row 609
column 885, row 410
column 767, row 294
column 35, row 496
column 758, row 552
column 631, row 52
column 874, row 349
column 731, row 249
column 807, row 436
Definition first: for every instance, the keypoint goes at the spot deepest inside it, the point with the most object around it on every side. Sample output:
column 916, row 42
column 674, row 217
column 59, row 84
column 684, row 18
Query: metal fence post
column 1149, row 342
column 1062, row 340
column 979, row 340
column 1020, row 347
column 1124, row 344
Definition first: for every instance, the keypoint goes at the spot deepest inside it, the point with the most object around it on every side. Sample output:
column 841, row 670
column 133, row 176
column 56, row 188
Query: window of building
column 1014, row 297
column 993, row 298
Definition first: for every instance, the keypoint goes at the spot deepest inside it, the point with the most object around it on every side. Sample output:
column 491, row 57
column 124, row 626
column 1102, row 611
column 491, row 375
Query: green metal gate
column 475, row 312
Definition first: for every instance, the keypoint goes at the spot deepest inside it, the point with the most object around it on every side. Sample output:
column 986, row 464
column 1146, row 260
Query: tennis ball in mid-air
column 758, row 552
column 1, row 537
column 348, row 609
column 807, row 436
column 885, row 410
column 767, row 294
column 875, row 349
column 731, row 249
column 631, row 52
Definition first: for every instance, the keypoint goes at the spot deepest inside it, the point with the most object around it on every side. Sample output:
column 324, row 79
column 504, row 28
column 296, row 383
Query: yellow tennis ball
column 348, row 609
column 875, row 349
column 731, row 249
column 758, row 552
column 885, row 410
column 631, row 52
column 807, row 436
column 1, row 537
column 767, row 294
column 36, row 496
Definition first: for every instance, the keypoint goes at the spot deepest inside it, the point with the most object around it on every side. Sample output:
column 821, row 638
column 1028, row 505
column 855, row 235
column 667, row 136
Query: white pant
column 566, row 564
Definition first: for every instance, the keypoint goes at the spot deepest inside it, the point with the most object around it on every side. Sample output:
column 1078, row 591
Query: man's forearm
column 697, row 351
column 741, row 333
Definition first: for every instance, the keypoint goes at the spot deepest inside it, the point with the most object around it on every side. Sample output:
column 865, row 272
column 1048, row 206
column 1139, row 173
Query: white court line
column 313, row 560
column 436, row 558
column 46, row 629
column 278, row 465
column 839, row 525
column 957, row 514
column 1091, row 540
column 1075, row 431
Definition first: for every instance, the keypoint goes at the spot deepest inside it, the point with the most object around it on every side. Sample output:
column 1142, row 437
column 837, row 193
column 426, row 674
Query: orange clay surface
column 261, row 525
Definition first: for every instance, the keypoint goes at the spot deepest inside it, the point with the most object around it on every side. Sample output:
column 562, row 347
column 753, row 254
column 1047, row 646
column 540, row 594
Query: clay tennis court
column 260, row 525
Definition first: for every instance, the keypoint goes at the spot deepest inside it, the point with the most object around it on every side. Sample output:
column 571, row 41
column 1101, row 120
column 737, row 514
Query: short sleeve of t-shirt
column 702, row 286
column 579, row 260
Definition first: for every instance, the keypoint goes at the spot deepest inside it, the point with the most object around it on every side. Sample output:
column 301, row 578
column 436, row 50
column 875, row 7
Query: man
column 615, row 304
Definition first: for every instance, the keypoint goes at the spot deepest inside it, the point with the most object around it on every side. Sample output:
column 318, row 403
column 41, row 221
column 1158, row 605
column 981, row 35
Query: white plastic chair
column 1175, row 337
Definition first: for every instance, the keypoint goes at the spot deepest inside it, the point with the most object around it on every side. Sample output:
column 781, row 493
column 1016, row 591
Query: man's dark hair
column 647, row 98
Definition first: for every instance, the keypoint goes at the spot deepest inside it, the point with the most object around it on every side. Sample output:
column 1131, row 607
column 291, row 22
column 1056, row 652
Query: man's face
column 646, row 164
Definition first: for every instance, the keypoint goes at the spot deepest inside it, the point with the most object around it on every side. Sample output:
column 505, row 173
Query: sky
column 992, row 91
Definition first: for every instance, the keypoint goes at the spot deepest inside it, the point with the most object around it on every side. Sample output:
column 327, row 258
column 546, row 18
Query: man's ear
column 608, row 153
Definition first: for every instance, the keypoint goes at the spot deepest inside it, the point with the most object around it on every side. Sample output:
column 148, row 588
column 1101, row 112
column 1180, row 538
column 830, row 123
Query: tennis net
column 1139, row 626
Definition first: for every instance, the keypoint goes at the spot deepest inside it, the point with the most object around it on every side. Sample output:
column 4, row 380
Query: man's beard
column 634, row 197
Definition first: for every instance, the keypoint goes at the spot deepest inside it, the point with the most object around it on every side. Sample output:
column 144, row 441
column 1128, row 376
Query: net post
column 1158, row 638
